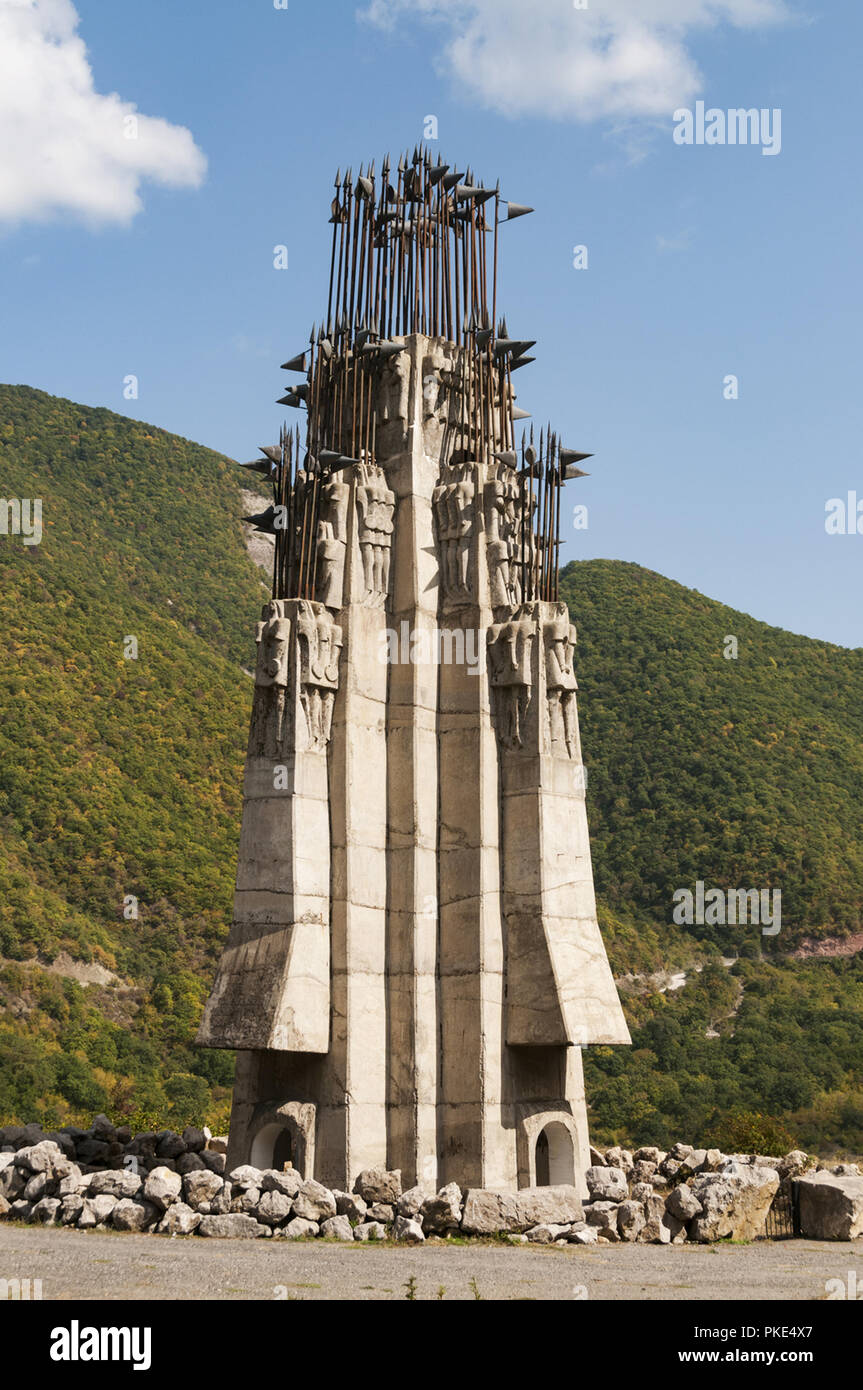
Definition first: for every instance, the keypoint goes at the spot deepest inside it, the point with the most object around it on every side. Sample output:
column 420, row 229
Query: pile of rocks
column 704, row 1195
column 111, row 1147
column 176, row 1185
column 685, row 1194
column 41, row 1184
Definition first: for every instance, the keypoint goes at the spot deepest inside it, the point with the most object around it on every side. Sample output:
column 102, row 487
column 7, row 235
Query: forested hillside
column 121, row 779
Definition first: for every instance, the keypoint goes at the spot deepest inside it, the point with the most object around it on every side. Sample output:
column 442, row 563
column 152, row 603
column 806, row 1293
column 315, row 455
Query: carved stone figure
column 561, row 684
column 375, row 507
column 332, row 541
column 320, row 643
column 510, row 650
column 453, row 502
column 273, row 636
column 503, row 538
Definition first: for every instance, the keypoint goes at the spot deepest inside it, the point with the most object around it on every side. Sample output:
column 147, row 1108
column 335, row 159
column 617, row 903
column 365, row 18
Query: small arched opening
column 272, row 1147
column 555, row 1156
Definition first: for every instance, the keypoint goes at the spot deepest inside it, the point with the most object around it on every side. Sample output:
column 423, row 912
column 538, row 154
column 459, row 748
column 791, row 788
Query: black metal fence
column 783, row 1218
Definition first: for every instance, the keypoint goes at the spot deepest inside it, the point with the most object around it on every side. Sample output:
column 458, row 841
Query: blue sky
column 703, row 261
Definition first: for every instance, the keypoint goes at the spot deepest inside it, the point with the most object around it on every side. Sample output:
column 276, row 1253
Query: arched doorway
column 555, row 1156
column 272, row 1147
column 542, row 1159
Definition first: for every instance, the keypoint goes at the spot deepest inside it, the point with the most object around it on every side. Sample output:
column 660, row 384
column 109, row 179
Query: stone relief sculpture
column 332, row 541
column 320, row 642
column 375, row 507
column 503, row 536
column 510, row 651
column 453, row 503
column 273, row 636
column 561, row 684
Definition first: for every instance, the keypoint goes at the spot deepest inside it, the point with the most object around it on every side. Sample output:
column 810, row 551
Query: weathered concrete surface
column 74, row 1265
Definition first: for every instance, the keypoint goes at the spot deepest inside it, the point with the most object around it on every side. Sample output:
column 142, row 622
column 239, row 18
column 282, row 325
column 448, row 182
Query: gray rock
column 680, row 1151
column 274, row 1208
column 101, row 1128
column 71, row 1207
column 231, row 1227
column 488, row 1211
column 20, row 1210
column 580, row 1233
column 45, row 1211
column 73, row 1182
column 370, row 1230
column 597, row 1158
column 408, row 1232
column 314, row 1202
column 607, row 1184
column 692, row 1163
column 793, row 1164
column 36, row 1188
column 619, row 1158
column 442, row 1212
column 410, row 1202
column 649, row 1154
column 831, row 1208
column 194, row 1139
column 545, row 1234
column 669, row 1168
column 117, row 1184
column 846, row 1170
column 642, row 1172
column 603, row 1215
column 246, row 1176
column 713, row 1161
column 379, row 1185
column 246, row 1200
column 380, row 1211
column 179, row 1220
column 641, row 1192
column 162, row 1187
column 288, row 1182
column 129, row 1215
column 170, row 1145
column 214, row 1161
column 40, row 1158
column 630, row 1220
column 5, row 1207
column 683, row 1203
column 220, row 1205
column 337, row 1228
column 199, row 1188
column 734, row 1202
column 300, row 1229
column 13, row 1180
column 96, row 1211
column 351, row 1205
column 190, row 1163
column 93, row 1151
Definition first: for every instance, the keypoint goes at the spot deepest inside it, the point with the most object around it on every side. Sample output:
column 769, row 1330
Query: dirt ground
column 101, row 1266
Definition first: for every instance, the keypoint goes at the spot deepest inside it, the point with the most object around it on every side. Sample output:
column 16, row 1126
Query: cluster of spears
column 414, row 250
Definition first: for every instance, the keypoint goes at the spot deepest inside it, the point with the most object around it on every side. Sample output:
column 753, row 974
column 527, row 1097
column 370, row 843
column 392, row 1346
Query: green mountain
column 120, row 780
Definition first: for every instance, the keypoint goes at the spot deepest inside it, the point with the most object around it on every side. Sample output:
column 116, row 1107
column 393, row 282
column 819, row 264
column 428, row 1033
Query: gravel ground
column 77, row 1264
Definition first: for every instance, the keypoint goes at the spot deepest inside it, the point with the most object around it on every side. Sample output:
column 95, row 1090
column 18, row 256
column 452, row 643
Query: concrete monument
column 415, row 962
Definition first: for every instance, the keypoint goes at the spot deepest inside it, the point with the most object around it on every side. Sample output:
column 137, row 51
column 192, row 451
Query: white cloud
column 618, row 58
column 64, row 147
